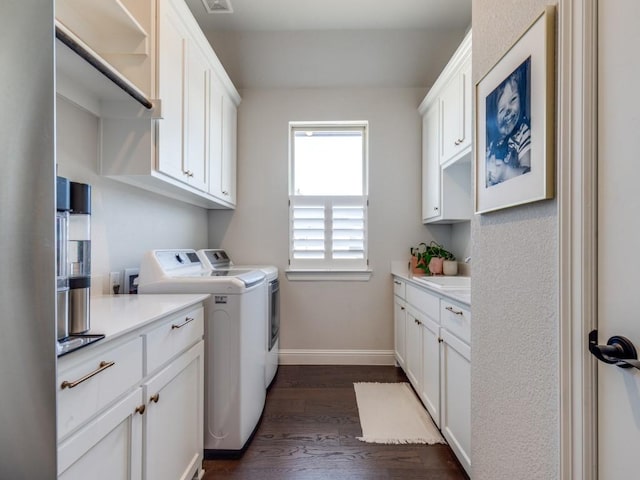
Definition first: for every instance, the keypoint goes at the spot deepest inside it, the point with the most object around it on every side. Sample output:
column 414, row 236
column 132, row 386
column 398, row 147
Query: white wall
column 125, row 221
column 329, row 315
column 514, row 336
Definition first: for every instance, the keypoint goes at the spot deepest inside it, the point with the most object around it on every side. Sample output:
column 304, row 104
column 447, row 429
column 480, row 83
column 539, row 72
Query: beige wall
column 125, row 221
column 514, row 342
column 329, row 315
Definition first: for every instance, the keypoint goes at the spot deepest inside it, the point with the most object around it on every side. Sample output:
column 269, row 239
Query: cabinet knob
column 224, row 192
column 435, row 209
column 401, row 308
column 154, row 398
column 140, row 409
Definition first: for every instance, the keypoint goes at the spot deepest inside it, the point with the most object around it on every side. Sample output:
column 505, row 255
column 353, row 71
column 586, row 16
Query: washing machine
column 218, row 259
column 234, row 341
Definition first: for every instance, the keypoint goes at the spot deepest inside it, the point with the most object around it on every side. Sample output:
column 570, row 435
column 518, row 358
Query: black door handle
column 618, row 351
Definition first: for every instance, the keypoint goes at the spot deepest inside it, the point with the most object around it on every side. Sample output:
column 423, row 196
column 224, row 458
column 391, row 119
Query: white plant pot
column 450, row 267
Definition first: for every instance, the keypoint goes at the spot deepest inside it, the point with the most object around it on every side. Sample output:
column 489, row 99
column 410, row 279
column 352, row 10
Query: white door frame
column 577, row 217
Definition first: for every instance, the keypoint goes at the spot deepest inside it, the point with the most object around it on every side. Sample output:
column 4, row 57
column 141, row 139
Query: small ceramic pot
column 415, row 270
column 435, row 265
column 450, row 267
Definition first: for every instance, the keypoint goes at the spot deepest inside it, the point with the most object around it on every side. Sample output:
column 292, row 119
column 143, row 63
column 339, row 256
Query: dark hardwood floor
column 309, row 429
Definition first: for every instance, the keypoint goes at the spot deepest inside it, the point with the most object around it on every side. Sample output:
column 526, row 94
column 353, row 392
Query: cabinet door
column 229, row 142
column 413, row 359
column 173, row 429
column 196, row 126
column 399, row 320
column 215, row 137
column 456, row 396
column 450, row 118
column 430, row 165
column 107, row 448
column 430, row 392
column 466, row 108
column 172, row 46
column 455, row 114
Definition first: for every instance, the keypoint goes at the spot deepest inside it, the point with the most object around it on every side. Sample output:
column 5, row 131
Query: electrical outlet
column 131, row 280
column 114, row 282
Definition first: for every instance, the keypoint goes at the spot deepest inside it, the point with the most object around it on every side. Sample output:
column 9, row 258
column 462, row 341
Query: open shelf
column 106, row 26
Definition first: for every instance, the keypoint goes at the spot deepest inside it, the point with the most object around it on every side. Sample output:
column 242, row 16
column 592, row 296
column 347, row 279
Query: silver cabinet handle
column 187, row 320
column 452, row 310
column 224, row 192
column 101, row 368
column 397, row 282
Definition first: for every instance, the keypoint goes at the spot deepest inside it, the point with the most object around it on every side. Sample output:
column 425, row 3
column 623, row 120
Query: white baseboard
column 336, row 357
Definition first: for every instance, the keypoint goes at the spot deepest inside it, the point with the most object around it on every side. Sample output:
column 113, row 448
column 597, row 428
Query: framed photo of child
column 515, row 128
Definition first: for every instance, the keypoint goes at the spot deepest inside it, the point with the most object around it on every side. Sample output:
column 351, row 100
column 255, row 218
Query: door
column 173, row 429
column 618, row 233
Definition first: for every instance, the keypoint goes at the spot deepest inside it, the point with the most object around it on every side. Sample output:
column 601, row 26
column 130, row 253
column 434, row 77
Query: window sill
column 329, row 275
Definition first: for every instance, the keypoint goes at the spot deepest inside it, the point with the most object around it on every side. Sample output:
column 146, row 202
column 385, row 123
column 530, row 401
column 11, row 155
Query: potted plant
column 430, row 259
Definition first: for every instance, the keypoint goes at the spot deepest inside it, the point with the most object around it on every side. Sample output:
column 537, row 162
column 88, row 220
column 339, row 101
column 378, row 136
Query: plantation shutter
column 328, row 232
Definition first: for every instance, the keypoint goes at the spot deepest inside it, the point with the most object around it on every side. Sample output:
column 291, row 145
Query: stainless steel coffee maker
column 73, row 266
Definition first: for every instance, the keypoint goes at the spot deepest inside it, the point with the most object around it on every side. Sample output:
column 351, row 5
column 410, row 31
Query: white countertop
column 116, row 315
column 400, row 269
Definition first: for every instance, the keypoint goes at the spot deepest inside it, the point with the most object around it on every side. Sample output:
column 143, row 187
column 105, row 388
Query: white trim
column 336, row 357
column 329, row 275
column 577, row 210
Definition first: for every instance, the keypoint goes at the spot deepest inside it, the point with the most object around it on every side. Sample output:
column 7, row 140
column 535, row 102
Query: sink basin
column 447, row 283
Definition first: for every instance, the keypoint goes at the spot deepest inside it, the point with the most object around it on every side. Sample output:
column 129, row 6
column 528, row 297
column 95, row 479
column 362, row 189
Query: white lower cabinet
column 399, row 321
column 437, row 359
column 107, row 448
column 430, row 382
column 413, row 362
column 455, row 392
column 175, row 399
column 132, row 408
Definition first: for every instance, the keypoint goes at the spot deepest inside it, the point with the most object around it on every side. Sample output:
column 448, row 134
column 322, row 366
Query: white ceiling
column 283, row 15
column 335, row 43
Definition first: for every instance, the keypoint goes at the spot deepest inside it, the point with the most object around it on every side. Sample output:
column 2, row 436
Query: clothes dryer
column 218, row 259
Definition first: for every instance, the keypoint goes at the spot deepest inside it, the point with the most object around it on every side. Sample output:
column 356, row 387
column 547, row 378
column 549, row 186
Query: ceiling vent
column 218, row 6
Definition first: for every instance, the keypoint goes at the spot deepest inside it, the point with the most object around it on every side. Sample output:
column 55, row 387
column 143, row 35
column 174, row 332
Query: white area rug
column 391, row 413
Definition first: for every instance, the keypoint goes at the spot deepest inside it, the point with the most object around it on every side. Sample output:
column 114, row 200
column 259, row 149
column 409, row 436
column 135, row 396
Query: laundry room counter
column 117, row 315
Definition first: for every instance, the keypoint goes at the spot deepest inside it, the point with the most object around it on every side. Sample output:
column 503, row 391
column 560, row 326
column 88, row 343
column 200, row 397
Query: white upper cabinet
column 431, row 164
column 186, row 147
column 229, row 142
column 447, row 142
column 455, row 114
column 183, row 84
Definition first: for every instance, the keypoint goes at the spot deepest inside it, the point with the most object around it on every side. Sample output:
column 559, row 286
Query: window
column 328, row 196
